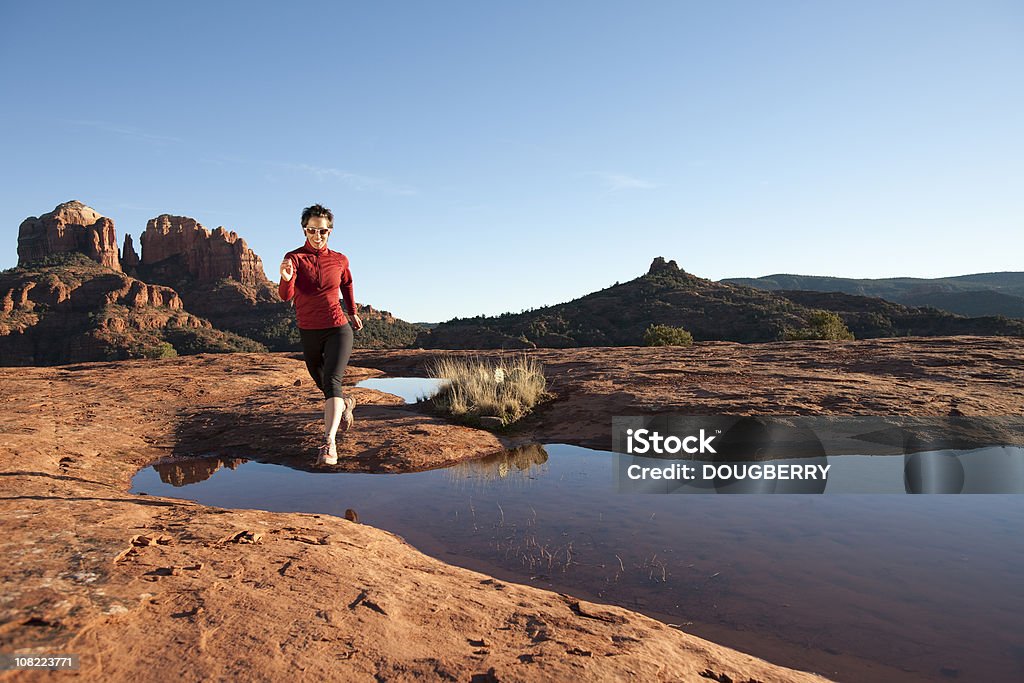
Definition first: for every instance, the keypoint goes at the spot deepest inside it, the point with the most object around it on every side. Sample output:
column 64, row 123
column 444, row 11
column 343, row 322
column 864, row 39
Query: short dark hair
column 317, row 210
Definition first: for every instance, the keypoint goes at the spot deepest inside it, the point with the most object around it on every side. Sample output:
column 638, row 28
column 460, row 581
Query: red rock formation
column 70, row 227
column 140, row 294
column 129, row 257
column 25, row 293
column 367, row 312
column 84, row 312
column 660, row 265
column 207, row 256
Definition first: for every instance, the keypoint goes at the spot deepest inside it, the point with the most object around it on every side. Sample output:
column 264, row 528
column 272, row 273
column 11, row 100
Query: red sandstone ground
column 920, row 376
column 153, row 588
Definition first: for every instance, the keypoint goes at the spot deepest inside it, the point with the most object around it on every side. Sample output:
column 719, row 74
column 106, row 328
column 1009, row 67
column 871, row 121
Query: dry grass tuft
column 507, row 388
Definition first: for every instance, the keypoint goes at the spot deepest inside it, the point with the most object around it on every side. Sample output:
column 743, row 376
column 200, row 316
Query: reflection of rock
column 70, row 227
column 501, row 465
column 193, row 471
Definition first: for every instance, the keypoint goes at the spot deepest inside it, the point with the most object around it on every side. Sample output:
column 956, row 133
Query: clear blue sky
column 482, row 157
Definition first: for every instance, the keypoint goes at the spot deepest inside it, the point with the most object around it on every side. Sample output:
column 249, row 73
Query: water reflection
column 897, row 585
column 195, row 470
column 525, row 461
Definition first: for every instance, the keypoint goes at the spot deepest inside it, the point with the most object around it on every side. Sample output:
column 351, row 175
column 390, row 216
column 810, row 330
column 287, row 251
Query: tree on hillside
column 666, row 335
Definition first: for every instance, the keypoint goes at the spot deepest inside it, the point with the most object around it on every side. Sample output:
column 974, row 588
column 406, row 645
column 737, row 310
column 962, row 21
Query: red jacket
column 319, row 274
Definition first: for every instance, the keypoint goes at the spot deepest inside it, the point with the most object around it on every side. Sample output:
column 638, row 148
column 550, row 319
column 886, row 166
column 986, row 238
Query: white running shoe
column 347, row 418
column 325, row 457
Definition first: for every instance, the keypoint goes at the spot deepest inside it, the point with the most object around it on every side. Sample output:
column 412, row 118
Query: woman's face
column 317, row 229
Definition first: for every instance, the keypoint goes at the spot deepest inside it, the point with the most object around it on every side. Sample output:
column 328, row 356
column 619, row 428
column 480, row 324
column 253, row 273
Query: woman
column 313, row 274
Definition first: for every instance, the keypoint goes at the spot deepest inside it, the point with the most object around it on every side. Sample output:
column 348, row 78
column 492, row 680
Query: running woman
column 313, row 276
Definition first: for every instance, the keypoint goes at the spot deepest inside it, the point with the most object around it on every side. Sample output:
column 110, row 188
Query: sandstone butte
column 205, row 256
column 208, row 256
column 148, row 588
column 70, row 227
column 129, row 257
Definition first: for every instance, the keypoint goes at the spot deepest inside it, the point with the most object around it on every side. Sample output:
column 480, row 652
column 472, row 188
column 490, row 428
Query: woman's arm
column 286, row 288
column 346, row 291
column 350, row 300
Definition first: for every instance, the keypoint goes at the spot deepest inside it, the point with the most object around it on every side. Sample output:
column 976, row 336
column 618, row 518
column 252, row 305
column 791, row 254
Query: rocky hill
column 180, row 248
column 871, row 317
column 972, row 303
column 72, row 227
column 68, row 308
column 979, row 294
column 667, row 295
column 75, row 297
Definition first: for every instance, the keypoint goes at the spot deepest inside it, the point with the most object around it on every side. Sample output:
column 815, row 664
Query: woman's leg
column 314, row 344
column 337, row 350
column 334, row 407
column 313, row 353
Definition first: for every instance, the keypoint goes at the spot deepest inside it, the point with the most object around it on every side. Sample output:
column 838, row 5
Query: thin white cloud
column 126, row 131
column 356, row 181
column 621, row 181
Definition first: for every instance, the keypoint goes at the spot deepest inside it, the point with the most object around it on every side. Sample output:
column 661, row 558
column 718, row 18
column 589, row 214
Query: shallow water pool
column 856, row 587
column 410, row 389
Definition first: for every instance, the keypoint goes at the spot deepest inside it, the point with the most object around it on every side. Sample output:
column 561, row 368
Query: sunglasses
column 317, row 231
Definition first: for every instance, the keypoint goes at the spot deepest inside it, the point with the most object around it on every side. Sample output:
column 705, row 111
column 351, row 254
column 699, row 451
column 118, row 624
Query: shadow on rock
column 385, row 438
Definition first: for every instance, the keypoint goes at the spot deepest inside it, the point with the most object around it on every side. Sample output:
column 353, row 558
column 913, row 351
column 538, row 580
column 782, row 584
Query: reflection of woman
column 312, row 275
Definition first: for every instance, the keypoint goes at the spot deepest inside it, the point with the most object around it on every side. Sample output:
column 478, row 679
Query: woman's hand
column 357, row 323
column 287, row 270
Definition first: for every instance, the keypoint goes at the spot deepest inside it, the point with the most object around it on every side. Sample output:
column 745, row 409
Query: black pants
column 326, row 353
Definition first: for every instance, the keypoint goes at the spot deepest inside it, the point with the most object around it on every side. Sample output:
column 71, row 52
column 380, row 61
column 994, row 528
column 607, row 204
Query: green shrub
column 666, row 335
column 823, row 325
column 190, row 340
column 507, row 388
column 59, row 260
column 152, row 351
column 378, row 334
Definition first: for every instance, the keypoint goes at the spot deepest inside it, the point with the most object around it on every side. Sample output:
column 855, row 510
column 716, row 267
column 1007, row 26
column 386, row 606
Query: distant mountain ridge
column 668, row 295
column 871, row 317
column 978, row 294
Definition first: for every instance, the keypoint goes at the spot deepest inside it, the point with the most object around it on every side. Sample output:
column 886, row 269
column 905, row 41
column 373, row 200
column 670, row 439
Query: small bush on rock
column 823, row 325
column 666, row 335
